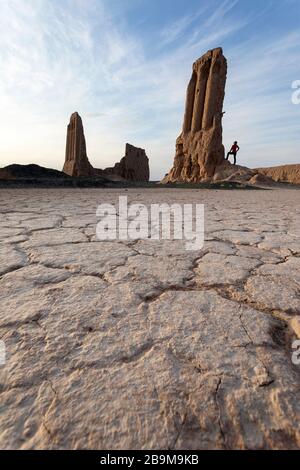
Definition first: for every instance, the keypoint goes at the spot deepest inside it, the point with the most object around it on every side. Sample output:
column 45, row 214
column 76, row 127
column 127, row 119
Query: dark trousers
column 234, row 156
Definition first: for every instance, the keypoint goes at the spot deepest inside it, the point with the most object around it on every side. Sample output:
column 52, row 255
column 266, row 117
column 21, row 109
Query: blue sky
column 124, row 66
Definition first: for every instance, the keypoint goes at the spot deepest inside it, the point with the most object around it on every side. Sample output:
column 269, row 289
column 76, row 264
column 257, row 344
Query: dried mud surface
column 142, row 344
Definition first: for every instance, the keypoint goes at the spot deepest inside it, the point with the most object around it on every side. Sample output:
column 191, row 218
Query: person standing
column 233, row 151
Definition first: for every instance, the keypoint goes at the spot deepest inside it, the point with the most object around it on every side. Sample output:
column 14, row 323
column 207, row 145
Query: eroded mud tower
column 134, row 166
column 76, row 160
column 199, row 148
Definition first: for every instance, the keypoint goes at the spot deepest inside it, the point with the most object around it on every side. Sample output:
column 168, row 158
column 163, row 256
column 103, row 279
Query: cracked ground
column 142, row 344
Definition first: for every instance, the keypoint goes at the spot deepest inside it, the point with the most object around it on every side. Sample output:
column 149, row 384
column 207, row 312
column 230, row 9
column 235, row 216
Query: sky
column 124, row 65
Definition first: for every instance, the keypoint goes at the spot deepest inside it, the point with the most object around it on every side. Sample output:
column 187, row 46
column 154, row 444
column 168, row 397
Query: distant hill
column 29, row 171
column 283, row 173
column 31, row 175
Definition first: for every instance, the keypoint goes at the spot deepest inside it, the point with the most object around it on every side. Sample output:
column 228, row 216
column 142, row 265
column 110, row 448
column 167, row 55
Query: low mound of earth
column 16, row 175
column 241, row 174
column 29, row 171
column 283, row 173
column 237, row 174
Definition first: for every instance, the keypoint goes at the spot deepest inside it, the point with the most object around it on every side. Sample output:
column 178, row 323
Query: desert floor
column 143, row 344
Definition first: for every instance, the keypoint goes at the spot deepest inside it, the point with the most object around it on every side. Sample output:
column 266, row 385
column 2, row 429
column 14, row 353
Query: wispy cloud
column 220, row 12
column 176, row 29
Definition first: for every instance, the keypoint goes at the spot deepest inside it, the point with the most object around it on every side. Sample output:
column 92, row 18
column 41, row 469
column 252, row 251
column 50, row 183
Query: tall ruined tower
column 76, row 161
column 199, row 148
